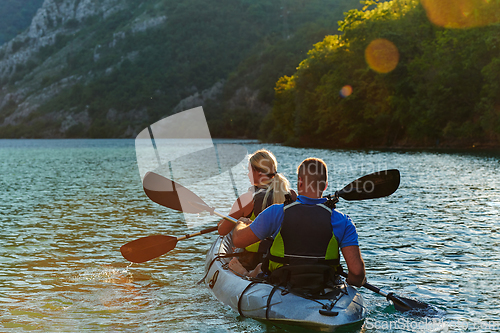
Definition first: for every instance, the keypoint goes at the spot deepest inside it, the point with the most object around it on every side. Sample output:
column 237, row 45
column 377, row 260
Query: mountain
column 15, row 17
column 108, row 68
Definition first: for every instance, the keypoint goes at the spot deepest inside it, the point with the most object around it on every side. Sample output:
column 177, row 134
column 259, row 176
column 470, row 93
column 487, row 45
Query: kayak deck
column 260, row 300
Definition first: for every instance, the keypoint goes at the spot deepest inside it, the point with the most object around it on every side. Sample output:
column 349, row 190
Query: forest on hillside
column 393, row 78
column 245, row 43
column 15, row 16
column 260, row 72
column 401, row 73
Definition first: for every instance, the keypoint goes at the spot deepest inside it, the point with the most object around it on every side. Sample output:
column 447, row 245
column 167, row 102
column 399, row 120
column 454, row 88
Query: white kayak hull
column 252, row 301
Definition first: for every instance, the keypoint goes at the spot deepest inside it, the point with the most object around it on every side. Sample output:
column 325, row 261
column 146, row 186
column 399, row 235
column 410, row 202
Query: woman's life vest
column 306, row 237
column 258, row 199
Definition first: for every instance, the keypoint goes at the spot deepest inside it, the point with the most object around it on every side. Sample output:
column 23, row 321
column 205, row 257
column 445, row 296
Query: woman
column 269, row 187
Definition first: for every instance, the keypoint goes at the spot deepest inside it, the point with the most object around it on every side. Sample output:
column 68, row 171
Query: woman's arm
column 242, row 207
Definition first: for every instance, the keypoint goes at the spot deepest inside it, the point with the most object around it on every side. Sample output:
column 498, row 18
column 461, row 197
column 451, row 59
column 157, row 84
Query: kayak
column 259, row 299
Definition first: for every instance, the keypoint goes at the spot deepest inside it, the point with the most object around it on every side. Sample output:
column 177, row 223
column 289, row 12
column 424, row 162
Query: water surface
column 66, row 207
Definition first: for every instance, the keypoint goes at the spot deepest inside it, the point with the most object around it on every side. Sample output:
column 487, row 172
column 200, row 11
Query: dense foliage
column 15, row 16
column 445, row 89
column 274, row 56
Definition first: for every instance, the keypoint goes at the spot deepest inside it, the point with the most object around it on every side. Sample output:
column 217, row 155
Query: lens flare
column 382, row 55
column 462, row 13
column 346, row 91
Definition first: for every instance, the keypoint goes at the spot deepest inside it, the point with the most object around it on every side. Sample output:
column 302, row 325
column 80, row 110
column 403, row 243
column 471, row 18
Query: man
column 306, row 231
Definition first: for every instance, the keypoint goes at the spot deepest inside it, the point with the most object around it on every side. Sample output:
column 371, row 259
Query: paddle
column 170, row 194
column 375, row 185
column 150, row 247
column 400, row 303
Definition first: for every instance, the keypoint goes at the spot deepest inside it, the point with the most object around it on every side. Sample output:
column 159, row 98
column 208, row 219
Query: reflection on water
column 66, row 207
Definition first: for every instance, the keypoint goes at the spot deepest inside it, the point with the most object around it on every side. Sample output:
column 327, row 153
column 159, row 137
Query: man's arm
column 265, row 225
column 355, row 265
column 243, row 235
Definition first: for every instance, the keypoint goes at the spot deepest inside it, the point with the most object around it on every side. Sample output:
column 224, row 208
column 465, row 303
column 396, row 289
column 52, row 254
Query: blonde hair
column 265, row 162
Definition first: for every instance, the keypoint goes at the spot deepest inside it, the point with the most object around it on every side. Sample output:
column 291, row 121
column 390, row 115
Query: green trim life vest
column 306, row 237
column 258, row 199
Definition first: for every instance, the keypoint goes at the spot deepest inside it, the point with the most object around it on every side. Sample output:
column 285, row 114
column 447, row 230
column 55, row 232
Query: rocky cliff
column 107, row 68
column 22, row 95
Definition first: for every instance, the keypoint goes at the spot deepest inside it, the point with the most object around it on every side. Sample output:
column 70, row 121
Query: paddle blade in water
column 375, row 185
column 170, row 194
column 147, row 248
column 405, row 304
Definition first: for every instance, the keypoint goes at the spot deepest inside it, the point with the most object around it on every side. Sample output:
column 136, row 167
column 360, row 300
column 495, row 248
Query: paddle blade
column 147, row 248
column 170, row 194
column 375, row 185
column 405, row 304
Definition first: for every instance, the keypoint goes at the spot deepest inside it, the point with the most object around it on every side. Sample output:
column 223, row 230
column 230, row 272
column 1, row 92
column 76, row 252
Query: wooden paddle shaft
column 370, row 287
column 229, row 218
column 205, row 231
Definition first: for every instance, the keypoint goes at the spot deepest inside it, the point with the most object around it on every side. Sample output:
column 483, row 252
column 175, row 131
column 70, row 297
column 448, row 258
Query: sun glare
column 462, row 13
column 382, row 55
column 346, row 91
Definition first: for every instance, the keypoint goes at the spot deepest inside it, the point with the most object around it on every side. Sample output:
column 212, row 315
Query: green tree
column 442, row 91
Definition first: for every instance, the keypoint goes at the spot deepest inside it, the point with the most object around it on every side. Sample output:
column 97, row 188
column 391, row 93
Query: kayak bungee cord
column 254, row 281
column 220, row 256
column 241, row 296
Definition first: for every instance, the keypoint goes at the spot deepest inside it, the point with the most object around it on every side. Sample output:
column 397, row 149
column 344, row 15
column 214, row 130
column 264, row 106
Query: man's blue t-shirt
column 268, row 223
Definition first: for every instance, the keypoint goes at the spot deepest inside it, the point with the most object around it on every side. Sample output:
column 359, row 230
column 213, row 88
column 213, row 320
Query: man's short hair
column 314, row 173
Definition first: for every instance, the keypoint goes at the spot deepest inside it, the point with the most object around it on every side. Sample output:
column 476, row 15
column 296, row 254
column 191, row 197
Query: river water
column 66, row 207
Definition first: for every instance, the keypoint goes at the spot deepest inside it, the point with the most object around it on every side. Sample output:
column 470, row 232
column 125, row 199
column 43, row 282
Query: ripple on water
column 68, row 205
